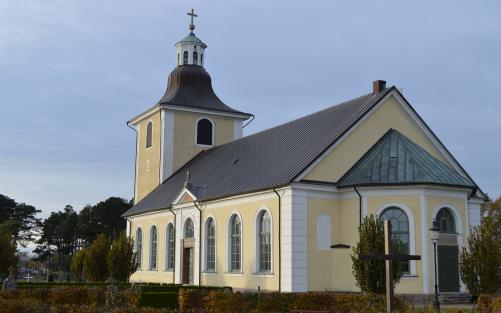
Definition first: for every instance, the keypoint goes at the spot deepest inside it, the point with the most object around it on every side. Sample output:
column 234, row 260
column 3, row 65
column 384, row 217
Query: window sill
column 203, row 146
column 169, row 270
column 409, row 277
column 234, row 273
column 209, row 273
column 264, row 274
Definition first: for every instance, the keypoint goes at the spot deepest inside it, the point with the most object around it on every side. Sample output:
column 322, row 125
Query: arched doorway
column 447, row 251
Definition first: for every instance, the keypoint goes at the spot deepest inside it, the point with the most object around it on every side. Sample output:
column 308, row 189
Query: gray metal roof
column 264, row 160
column 395, row 159
column 190, row 86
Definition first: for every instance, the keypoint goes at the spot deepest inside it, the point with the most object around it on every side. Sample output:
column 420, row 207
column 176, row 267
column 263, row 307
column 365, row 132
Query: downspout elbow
column 199, row 242
column 359, row 205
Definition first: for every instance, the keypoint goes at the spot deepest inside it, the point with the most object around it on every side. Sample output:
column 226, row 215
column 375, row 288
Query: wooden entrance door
column 448, row 268
column 188, row 266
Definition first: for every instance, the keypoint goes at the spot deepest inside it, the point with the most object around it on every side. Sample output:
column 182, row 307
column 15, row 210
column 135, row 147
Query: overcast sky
column 72, row 72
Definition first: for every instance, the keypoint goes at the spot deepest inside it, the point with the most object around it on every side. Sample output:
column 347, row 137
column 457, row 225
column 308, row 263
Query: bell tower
column 188, row 119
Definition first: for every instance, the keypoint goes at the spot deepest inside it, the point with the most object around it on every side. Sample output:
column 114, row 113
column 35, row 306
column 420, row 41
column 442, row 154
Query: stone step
column 455, row 298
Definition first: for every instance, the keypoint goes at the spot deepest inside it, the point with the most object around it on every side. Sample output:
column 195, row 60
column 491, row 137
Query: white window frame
column 213, row 132
column 151, row 249
column 167, row 253
column 206, row 244
column 229, row 249
column 412, row 231
column 257, row 270
column 150, row 122
column 139, row 268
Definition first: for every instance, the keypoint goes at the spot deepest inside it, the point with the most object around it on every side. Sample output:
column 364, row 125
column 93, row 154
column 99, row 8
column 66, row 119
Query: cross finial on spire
column 192, row 14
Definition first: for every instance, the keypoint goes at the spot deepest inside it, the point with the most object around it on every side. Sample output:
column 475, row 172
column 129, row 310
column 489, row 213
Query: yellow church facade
column 279, row 210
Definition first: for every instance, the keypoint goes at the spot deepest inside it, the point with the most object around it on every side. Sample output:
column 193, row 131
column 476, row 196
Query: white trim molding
column 294, row 245
column 167, row 144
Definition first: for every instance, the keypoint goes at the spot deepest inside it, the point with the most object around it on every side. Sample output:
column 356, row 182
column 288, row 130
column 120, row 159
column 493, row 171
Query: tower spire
column 192, row 14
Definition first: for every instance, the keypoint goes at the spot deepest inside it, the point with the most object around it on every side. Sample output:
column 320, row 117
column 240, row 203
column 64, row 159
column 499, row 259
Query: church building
column 280, row 209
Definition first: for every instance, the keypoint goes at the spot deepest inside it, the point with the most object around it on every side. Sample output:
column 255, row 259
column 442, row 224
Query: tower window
column 185, row 58
column 149, row 134
column 204, row 132
column 195, row 58
column 201, row 59
column 178, row 59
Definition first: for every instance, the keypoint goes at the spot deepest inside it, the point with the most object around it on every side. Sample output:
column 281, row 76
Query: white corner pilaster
column 237, row 129
column 178, row 246
column 167, row 144
column 425, row 244
column 294, row 241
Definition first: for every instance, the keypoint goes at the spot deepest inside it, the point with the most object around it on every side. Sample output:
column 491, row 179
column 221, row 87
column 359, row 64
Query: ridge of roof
column 263, row 160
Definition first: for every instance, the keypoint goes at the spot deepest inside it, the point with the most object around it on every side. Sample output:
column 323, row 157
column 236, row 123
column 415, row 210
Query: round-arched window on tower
column 204, row 132
column 195, row 58
column 185, row 58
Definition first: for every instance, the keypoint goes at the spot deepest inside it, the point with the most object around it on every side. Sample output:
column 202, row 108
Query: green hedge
column 159, row 300
column 175, row 288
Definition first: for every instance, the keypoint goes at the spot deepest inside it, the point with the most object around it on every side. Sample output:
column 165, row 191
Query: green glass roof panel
column 395, row 159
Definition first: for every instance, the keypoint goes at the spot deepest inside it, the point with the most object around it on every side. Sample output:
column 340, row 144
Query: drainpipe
column 175, row 230
column 359, row 205
column 199, row 243
column 135, row 163
column 279, row 241
column 252, row 118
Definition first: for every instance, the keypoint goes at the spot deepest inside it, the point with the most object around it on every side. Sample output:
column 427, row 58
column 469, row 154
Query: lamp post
column 434, row 230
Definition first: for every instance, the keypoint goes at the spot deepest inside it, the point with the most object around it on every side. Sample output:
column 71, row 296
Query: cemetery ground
column 156, row 298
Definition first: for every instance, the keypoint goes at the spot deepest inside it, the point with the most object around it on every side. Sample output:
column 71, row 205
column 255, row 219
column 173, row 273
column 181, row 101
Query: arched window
column 201, row 59
column 188, row 229
column 195, row 58
column 235, row 244
column 153, row 248
column 185, row 57
column 446, row 222
column 400, row 231
column 210, row 253
column 204, row 132
column 139, row 247
column 178, row 59
column 149, row 134
column 171, row 239
column 264, row 247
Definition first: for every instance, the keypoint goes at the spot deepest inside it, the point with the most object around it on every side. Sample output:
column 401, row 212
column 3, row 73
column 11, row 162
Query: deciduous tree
column 370, row 274
column 96, row 259
column 121, row 258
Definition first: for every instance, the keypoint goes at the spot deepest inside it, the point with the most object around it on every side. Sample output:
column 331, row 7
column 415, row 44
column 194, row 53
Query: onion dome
column 189, row 83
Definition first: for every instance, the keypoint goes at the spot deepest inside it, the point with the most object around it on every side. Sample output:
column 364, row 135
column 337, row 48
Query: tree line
column 59, row 236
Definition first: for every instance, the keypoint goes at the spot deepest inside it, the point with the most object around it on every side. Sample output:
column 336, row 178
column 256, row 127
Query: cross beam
column 394, row 257
column 388, row 258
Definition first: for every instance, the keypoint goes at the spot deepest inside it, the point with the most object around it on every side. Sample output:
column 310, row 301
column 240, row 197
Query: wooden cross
column 388, row 257
column 192, row 14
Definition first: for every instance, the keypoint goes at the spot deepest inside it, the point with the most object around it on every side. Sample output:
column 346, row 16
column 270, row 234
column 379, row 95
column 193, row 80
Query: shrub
column 95, row 260
column 77, row 264
column 496, row 305
column 159, row 300
column 370, row 274
column 484, row 304
column 121, row 258
column 479, row 264
column 275, row 302
column 190, row 300
column 222, row 302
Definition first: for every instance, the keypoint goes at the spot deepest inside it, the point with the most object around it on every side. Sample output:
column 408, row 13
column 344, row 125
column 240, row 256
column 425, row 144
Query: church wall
column 148, row 159
column 248, row 210
column 160, row 220
column 184, row 134
column 389, row 114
